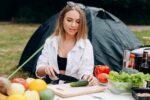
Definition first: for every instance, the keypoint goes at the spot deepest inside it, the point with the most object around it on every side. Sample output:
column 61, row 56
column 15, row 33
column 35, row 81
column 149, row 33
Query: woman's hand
column 91, row 79
column 51, row 72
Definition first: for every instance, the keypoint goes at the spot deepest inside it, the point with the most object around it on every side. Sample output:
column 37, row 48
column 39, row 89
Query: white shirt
column 80, row 59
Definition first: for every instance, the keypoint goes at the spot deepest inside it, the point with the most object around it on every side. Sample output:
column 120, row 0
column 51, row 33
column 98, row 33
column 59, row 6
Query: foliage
column 130, row 11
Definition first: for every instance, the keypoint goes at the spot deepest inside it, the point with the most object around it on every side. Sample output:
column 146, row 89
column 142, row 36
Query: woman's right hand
column 51, row 72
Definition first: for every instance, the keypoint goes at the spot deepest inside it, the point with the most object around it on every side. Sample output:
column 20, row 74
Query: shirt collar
column 80, row 44
column 54, row 41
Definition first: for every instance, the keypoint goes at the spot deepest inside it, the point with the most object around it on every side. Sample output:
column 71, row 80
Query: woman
column 68, row 51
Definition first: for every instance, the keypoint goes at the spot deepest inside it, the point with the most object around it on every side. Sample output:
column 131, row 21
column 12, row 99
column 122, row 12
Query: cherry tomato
column 21, row 81
column 102, row 77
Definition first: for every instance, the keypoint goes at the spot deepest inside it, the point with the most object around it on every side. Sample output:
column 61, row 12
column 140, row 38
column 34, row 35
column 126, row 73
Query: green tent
column 109, row 36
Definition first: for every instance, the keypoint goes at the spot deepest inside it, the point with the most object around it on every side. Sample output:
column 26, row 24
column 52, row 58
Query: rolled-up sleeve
column 43, row 58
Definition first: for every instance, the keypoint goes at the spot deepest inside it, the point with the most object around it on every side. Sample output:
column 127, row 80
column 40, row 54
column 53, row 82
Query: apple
column 21, row 81
column 32, row 95
column 17, row 88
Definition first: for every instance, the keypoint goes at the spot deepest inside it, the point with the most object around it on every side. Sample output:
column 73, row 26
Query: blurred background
column 38, row 11
column 19, row 19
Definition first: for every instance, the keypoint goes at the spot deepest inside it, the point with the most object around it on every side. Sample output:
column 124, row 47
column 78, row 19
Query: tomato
column 107, row 69
column 21, row 81
column 102, row 77
column 101, row 69
column 97, row 71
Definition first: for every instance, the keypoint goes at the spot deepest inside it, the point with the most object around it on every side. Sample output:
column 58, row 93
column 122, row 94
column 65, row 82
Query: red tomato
column 21, row 81
column 107, row 69
column 102, row 77
column 97, row 71
column 101, row 69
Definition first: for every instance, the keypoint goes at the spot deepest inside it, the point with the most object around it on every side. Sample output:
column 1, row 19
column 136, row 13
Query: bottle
column 144, row 65
column 126, row 56
column 131, row 61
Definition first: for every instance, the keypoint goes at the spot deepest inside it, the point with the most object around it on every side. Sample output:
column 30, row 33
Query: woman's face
column 71, row 22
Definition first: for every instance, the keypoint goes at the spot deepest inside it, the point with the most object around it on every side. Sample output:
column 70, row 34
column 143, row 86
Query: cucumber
column 79, row 83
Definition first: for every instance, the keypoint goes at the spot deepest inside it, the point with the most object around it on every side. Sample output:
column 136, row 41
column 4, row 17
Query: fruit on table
column 102, row 77
column 17, row 88
column 29, row 80
column 47, row 94
column 3, row 97
column 5, row 85
column 79, row 83
column 32, row 95
column 101, row 69
column 17, row 97
column 37, row 85
column 21, row 81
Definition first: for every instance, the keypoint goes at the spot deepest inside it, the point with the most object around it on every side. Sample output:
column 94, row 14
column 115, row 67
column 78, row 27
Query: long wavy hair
column 82, row 32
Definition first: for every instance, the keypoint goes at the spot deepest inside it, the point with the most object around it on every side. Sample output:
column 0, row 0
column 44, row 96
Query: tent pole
column 26, row 62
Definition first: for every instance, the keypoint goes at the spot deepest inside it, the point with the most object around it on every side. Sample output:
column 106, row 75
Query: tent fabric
column 108, row 35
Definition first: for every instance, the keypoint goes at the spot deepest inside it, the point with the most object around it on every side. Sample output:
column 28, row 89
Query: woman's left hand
column 91, row 79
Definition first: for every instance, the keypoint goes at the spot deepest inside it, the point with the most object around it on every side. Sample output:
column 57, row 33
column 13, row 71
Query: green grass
column 13, row 38
column 141, row 34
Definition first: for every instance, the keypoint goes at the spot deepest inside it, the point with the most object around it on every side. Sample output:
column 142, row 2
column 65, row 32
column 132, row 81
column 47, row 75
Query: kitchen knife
column 66, row 78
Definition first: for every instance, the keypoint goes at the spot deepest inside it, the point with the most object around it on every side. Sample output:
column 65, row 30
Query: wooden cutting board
column 64, row 90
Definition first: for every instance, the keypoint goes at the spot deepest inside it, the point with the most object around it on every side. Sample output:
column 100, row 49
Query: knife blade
column 66, row 78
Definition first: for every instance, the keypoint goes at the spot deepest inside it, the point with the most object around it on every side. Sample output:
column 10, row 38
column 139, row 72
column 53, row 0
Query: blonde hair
column 82, row 32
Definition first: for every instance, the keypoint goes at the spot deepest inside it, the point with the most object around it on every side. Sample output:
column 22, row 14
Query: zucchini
column 79, row 83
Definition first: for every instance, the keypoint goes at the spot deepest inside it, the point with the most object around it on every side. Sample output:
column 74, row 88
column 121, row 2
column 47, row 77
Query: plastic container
column 119, row 87
column 137, row 96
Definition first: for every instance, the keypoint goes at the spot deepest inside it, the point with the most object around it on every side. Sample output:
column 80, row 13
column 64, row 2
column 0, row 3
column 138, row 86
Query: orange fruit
column 37, row 85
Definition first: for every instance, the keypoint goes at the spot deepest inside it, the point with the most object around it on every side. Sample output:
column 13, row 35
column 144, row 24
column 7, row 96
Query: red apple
column 21, row 81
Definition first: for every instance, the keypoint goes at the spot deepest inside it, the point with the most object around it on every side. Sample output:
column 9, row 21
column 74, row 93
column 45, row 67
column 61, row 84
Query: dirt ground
column 139, row 27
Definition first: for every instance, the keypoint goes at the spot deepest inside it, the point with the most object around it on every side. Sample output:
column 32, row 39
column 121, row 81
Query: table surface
column 106, row 95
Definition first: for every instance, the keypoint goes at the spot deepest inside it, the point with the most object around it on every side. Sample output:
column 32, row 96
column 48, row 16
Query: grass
column 141, row 34
column 13, row 38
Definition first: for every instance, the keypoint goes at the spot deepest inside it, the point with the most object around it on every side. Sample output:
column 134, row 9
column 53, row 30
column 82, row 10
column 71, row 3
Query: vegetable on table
column 79, row 83
column 136, row 79
column 101, row 69
column 102, row 77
